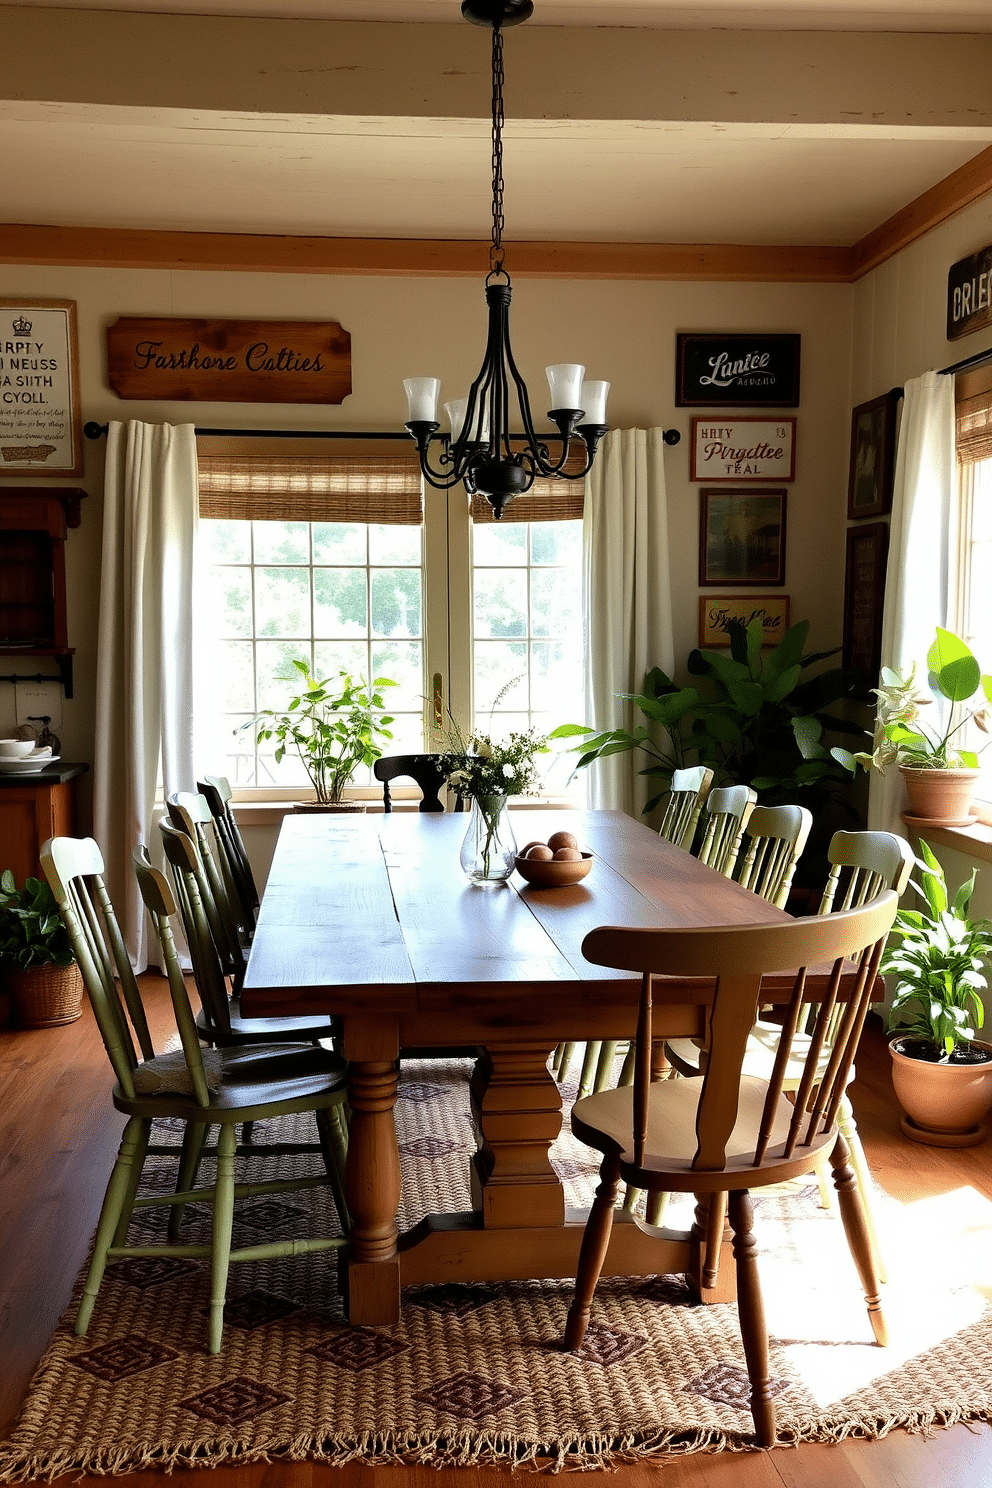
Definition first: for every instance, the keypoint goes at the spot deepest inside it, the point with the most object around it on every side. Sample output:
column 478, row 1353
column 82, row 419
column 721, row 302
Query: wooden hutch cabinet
column 33, row 527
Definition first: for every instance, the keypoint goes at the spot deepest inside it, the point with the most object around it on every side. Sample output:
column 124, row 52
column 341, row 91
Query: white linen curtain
column 922, row 552
column 144, row 683
column 627, row 599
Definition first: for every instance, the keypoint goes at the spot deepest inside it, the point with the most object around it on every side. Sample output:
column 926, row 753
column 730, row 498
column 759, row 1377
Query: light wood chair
column 863, row 865
column 216, row 790
column 199, row 1088
column 220, row 1021
column 689, row 790
column 424, row 770
column 775, row 838
column 729, row 1133
column 726, row 813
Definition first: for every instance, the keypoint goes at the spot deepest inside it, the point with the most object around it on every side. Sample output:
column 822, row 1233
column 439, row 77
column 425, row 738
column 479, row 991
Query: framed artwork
column 873, row 448
column 743, row 449
column 741, row 537
column 864, row 592
column 717, row 610
column 40, row 431
column 735, row 370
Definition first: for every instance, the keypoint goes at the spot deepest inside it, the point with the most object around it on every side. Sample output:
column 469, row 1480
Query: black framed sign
column 735, row 370
column 969, row 294
column 864, row 593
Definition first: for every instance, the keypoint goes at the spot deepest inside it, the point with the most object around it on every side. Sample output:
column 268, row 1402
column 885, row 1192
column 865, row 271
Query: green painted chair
column 216, row 790
column 689, row 790
column 776, row 836
column 190, row 812
column 725, row 815
column 202, row 1088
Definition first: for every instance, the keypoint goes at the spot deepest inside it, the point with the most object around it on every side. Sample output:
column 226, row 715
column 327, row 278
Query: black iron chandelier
column 478, row 449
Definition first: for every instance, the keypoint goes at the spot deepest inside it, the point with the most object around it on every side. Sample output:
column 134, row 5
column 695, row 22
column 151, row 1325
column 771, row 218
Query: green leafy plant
column 939, row 959
column 755, row 718
column 900, row 738
column 31, row 928
column 334, row 725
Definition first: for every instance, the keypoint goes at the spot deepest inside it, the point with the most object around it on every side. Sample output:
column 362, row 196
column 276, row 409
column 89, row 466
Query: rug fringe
column 594, row 1453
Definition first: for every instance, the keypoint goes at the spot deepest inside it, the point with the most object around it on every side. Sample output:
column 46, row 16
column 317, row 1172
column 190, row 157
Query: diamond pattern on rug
column 161, row 1179
column 453, row 1298
column 429, row 1147
column 121, row 1357
column 419, row 1091
column 234, row 1401
column 571, row 1168
column 358, row 1349
column 606, row 1346
column 257, row 1308
column 674, row 1291
column 728, row 1384
column 143, row 1272
column 269, row 1214
column 469, row 1397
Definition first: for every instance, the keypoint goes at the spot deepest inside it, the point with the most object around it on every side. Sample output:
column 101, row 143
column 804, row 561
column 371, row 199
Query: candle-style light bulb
column 422, row 394
column 592, row 400
column 565, row 384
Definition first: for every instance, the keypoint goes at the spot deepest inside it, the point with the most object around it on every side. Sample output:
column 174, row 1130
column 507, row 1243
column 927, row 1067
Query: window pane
column 555, row 604
column 499, row 542
column 281, row 542
column 282, row 601
column 340, row 601
column 227, row 595
column 556, row 680
column 403, row 663
column 395, row 545
column 332, row 657
column 339, row 542
column 500, row 602
column 232, row 677
column 499, row 665
column 556, row 542
column 225, row 542
column 395, row 608
column 277, row 679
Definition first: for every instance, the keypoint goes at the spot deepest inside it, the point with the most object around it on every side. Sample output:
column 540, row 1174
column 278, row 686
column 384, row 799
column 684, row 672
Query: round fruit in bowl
column 550, row 864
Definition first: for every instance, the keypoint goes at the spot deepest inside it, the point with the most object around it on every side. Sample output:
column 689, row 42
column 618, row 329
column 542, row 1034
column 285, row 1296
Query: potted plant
column 940, row 776
column 334, row 725
column 36, row 958
column 941, row 1072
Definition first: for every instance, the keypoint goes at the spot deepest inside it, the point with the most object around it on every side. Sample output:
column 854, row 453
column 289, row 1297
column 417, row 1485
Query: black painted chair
column 424, row 769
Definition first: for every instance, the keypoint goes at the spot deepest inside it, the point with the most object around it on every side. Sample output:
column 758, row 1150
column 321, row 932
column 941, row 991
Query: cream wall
column 623, row 331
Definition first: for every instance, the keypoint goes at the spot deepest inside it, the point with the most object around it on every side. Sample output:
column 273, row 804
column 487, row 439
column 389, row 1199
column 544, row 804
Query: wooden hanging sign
column 229, row 361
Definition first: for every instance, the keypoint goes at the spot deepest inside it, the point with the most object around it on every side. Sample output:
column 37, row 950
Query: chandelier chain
column 496, row 248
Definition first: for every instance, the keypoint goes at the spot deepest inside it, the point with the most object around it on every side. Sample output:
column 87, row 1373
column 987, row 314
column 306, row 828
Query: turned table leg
column 516, row 1106
column 372, row 1187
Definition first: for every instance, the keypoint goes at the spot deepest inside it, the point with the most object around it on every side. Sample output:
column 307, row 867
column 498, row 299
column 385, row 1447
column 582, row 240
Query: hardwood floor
column 58, row 1137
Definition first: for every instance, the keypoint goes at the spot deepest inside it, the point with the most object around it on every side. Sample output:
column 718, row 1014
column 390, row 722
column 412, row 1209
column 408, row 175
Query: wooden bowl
column 545, row 874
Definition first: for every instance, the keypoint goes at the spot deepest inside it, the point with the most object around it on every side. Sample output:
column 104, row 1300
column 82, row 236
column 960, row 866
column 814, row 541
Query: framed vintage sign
column 741, row 537
column 873, row 449
column 229, row 361
column 743, row 449
column 864, row 592
column 39, row 389
column 717, row 610
column 736, row 370
column 969, row 294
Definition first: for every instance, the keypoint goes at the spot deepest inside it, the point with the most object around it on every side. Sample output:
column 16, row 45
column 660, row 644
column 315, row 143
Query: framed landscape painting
column 873, row 447
column 741, row 537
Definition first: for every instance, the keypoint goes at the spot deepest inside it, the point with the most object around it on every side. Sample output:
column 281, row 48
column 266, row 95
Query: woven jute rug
column 474, row 1374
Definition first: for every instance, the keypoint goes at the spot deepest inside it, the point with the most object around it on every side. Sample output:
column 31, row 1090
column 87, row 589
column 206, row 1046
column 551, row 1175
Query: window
column 974, row 605
column 287, row 570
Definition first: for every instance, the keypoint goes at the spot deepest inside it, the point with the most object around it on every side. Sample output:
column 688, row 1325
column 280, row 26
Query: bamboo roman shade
column 382, row 488
column 974, row 429
column 546, row 501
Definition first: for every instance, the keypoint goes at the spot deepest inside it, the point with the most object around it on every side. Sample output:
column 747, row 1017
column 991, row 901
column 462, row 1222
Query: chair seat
column 256, row 1086
column 278, row 1030
column 606, row 1122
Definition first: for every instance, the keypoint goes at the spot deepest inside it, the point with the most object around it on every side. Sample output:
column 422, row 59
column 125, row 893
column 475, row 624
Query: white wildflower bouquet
column 478, row 766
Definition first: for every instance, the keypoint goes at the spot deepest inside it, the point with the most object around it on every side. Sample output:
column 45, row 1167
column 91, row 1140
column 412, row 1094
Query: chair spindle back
column 726, row 813
column 777, row 836
column 193, row 899
column 216, row 791
column 689, row 790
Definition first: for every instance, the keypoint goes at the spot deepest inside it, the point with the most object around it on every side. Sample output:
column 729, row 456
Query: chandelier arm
column 537, row 447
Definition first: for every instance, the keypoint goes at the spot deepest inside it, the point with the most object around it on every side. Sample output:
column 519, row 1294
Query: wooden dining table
column 371, row 918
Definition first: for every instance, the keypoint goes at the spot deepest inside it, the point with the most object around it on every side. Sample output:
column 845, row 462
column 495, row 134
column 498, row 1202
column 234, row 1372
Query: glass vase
column 489, row 846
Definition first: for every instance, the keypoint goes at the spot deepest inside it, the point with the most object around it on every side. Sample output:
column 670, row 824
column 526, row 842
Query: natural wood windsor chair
column 220, row 1088
column 729, row 1132
column 424, row 769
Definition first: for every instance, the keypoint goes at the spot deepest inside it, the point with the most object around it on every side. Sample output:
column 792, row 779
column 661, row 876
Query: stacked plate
column 27, row 764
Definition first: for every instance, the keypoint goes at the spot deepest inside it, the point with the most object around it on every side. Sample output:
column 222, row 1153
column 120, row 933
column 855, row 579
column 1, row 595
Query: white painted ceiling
column 72, row 163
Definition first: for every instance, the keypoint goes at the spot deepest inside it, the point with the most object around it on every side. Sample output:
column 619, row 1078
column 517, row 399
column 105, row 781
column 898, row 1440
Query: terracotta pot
column 45, row 996
column 944, row 1103
column 942, row 796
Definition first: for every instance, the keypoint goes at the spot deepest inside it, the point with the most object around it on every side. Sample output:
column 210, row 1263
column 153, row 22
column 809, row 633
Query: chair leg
column 137, row 1163
column 848, row 1128
column 716, row 1218
column 194, row 1138
column 589, row 1063
column 751, row 1311
column 566, row 1053
column 334, row 1146
column 656, row 1206
column 592, row 1253
column 113, row 1206
column 627, row 1069
column 822, row 1171
column 852, row 1212
column 604, row 1065
column 220, row 1242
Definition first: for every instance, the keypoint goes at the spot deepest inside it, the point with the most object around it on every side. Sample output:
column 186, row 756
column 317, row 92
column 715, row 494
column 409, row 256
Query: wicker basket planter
column 45, row 996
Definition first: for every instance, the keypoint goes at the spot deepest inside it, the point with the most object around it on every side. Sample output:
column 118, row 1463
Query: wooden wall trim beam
column 955, row 192
column 97, row 247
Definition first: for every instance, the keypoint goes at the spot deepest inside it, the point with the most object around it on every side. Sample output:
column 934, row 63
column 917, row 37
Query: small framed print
column 864, row 593
column 717, row 610
column 741, row 537
column 873, row 449
column 736, row 370
column 40, row 432
column 743, row 449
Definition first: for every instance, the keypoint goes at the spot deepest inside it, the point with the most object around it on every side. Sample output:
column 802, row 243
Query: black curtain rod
column 972, row 361
column 96, row 431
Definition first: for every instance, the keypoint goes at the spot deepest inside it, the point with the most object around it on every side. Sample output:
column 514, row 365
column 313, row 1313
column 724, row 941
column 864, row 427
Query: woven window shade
column 974, row 429
column 311, row 488
column 546, row 501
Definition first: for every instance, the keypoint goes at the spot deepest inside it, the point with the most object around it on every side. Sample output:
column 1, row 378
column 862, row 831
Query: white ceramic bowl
column 16, row 748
